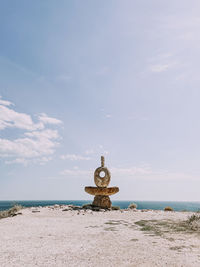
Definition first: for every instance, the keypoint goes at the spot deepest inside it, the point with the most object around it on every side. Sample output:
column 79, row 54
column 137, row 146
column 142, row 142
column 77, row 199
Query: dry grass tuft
column 11, row 212
column 178, row 248
column 194, row 222
column 193, row 217
column 132, row 206
column 162, row 227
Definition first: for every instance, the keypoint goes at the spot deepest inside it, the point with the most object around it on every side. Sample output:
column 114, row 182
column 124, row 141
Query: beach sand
column 53, row 237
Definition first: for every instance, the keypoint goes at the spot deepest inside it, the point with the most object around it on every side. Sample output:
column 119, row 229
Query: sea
column 123, row 204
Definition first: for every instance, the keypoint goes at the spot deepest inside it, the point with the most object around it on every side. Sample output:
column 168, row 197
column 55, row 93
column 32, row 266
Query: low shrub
column 194, row 222
column 11, row 212
column 193, row 217
column 132, row 206
column 168, row 209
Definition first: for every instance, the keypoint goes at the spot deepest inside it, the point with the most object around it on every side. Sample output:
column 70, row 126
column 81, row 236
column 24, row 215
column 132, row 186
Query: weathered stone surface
column 102, row 181
column 101, row 192
column 107, row 191
column 102, row 202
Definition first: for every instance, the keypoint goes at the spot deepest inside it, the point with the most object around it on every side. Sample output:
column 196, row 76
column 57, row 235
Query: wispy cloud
column 162, row 62
column 148, row 173
column 74, row 157
column 9, row 118
column 134, row 172
column 48, row 120
column 99, row 149
column 103, row 71
column 5, row 102
column 102, row 150
column 89, row 151
column 63, row 78
column 115, row 171
column 87, row 155
column 131, row 171
column 37, row 142
column 185, row 28
column 34, row 148
column 159, row 67
column 108, row 116
column 76, row 172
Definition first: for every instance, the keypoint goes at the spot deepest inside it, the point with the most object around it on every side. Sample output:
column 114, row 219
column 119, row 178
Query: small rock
column 76, row 208
column 87, row 206
column 67, row 209
column 89, row 211
column 96, row 209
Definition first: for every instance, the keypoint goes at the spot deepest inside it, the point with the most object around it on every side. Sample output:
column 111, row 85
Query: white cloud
column 76, row 172
column 103, row 71
column 185, row 28
column 53, row 178
column 115, row 171
column 108, row 115
column 162, row 62
column 37, row 143
column 5, row 102
column 17, row 160
column 144, row 172
column 26, row 161
column 63, row 78
column 45, row 134
column 9, row 118
column 74, row 157
column 131, row 171
column 89, row 152
column 99, row 149
column 48, row 120
column 159, row 67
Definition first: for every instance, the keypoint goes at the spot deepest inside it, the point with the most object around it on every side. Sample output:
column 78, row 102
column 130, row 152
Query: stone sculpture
column 102, row 192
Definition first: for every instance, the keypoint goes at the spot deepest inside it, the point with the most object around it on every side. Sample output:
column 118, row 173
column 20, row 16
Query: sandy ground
column 53, row 237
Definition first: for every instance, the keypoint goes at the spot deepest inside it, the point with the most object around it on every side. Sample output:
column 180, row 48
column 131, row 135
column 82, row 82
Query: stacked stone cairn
column 102, row 191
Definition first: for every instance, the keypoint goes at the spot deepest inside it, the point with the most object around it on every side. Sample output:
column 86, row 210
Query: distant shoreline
column 123, row 204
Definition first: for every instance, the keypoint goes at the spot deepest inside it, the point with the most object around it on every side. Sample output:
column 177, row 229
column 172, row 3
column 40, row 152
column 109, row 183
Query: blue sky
column 81, row 79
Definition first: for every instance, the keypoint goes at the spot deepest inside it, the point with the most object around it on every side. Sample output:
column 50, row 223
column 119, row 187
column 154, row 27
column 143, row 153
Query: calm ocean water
column 154, row 205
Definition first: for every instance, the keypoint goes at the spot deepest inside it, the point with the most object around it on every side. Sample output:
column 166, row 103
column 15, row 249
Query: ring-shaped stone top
column 102, row 181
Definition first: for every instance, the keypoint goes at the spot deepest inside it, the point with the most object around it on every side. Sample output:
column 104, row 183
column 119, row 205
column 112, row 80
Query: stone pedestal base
column 102, row 202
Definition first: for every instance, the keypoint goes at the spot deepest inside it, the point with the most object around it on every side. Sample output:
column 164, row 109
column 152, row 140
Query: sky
column 81, row 79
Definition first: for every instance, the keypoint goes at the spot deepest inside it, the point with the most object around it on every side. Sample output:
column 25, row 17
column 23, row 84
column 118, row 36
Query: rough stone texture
column 102, row 181
column 102, row 161
column 101, row 192
column 102, row 201
column 107, row 191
